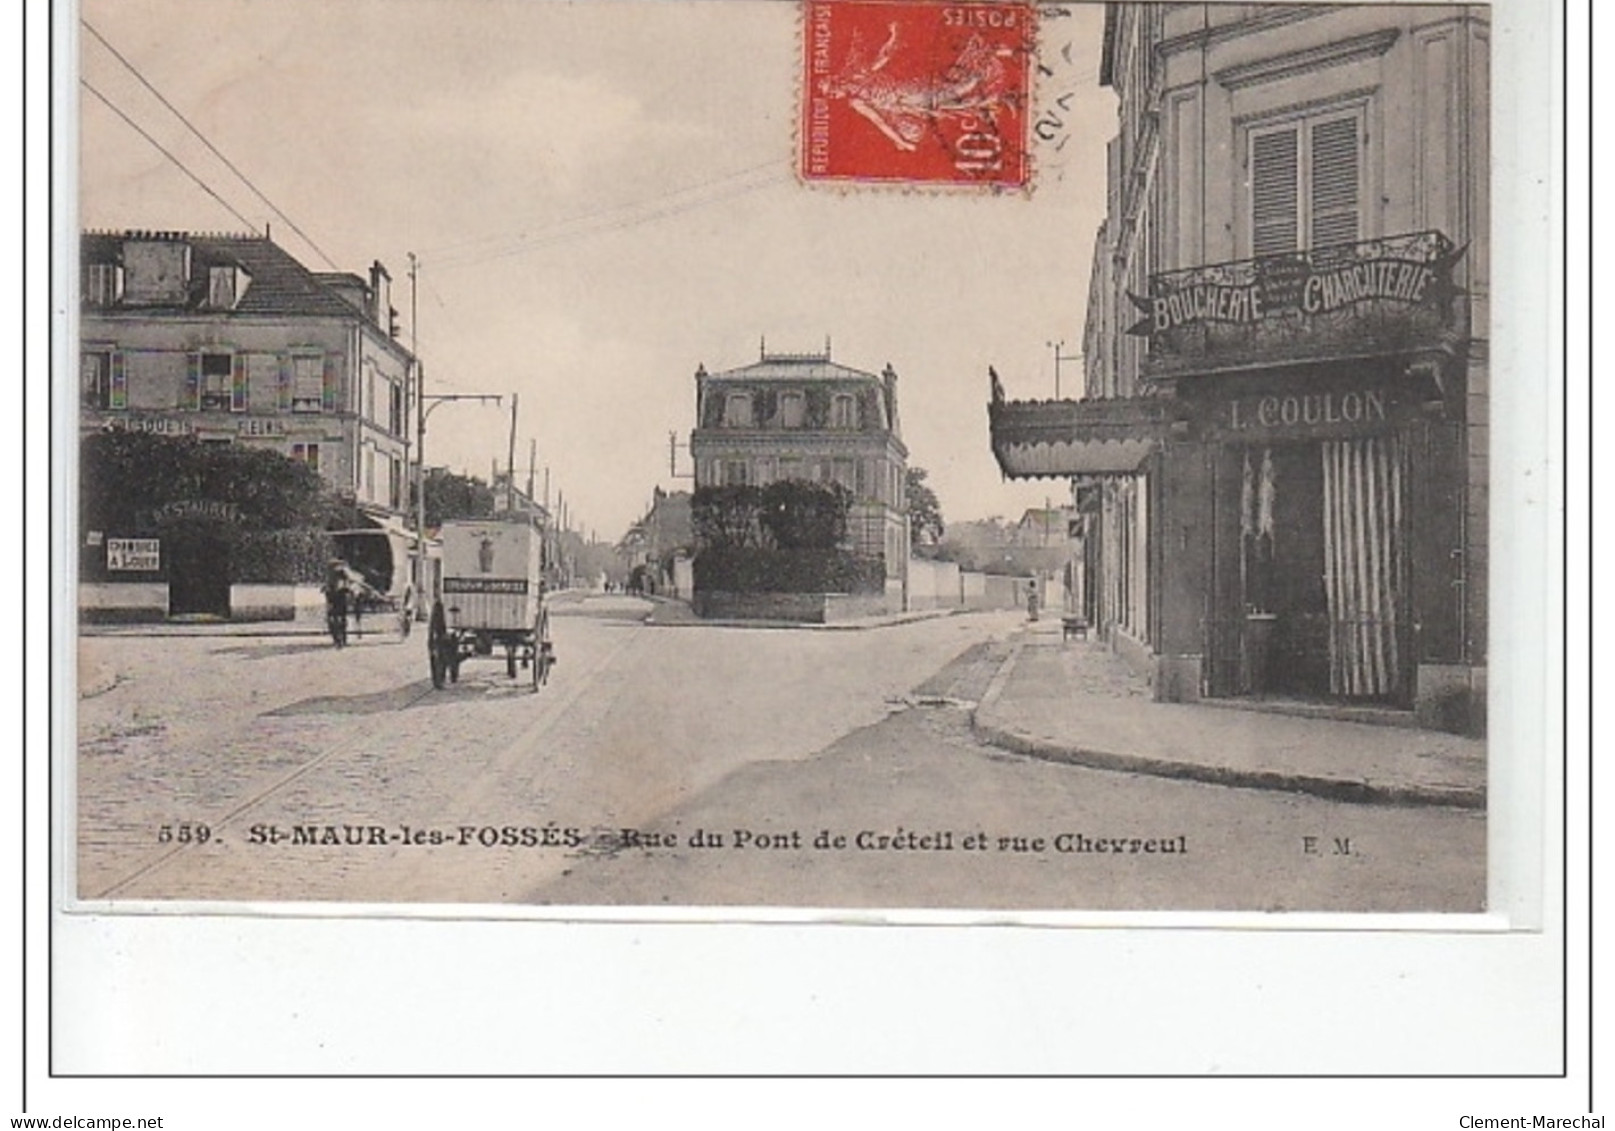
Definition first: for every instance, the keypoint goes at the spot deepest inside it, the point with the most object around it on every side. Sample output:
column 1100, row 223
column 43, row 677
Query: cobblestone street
column 281, row 769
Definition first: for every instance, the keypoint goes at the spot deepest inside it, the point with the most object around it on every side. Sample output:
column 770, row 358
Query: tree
column 802, row 515
column 726, row 516
column 924, row 511
column 450, row 495
column 127, row 479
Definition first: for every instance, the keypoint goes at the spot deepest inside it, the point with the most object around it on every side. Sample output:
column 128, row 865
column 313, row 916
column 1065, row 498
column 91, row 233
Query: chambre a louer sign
column 1409, row 271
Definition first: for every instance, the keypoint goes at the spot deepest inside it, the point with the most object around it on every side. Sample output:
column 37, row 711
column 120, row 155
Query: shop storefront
column 1319, row 487
column 1297, row 527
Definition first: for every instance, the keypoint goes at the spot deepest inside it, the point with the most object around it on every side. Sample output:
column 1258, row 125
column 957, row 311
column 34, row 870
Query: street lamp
column 423, row 409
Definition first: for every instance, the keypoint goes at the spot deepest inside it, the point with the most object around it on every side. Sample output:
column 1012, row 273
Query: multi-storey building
column 229, row 339
column 1281, row 454
column 804, row 416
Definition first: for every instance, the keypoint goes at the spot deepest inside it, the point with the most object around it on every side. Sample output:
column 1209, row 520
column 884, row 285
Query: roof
column 279, row 284
column 794, row 367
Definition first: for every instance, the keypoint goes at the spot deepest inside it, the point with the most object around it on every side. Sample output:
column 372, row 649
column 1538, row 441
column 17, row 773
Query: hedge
column 281, row 557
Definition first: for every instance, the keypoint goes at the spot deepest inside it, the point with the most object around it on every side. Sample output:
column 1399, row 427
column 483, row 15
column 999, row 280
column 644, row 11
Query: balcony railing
column 1375, row 297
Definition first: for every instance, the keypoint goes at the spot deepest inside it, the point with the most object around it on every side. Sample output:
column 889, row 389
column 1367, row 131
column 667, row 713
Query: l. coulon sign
column 1412, row 271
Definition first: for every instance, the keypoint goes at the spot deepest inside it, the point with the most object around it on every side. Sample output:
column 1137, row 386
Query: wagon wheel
column 543, row 650
column 437, row 645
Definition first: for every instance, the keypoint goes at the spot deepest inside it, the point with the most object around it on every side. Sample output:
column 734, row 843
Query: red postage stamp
column 917, row 92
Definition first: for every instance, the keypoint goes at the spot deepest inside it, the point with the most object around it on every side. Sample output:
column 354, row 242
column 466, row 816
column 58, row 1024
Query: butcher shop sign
column 1301, row 302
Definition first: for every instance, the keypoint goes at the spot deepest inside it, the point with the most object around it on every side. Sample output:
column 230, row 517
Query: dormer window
column 737, row 411
column 792, row 410
column 103, row 284
column 224, row 287
column 843, row 411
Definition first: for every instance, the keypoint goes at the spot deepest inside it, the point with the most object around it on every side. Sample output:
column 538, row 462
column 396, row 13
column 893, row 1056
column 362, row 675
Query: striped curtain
column 1364, row 563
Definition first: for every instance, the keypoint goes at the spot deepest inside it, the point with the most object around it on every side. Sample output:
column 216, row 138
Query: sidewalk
column 1076, row 702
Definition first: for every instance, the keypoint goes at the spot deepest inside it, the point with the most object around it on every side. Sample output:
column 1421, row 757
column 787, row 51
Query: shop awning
column 1037, row 439
column 1064, row 458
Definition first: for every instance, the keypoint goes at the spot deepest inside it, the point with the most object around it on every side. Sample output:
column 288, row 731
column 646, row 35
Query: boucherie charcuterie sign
column 1411, row 271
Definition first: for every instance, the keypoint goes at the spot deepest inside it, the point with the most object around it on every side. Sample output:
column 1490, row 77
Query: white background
column 255, row 995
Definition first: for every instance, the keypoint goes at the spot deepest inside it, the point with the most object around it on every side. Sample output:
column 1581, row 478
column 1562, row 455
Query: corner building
column 1281, row 454
column 805, row 416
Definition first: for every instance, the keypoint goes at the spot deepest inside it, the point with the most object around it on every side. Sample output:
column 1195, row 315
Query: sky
column 602, row 197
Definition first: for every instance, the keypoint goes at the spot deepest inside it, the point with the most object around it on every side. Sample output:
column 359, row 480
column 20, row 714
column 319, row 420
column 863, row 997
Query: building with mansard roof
column 807, row 416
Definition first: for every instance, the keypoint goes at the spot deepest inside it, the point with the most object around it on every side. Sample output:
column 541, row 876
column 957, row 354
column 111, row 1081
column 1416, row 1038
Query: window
column 102, row 383
column 1306, row 183
column 308, row 383
column 734, row 473
column 103, row 284
column 216, row 387
column 221, row 288
column 307, row 453
column 395, row 407
column 843, row 411
column 737, row 411
column 792, row 410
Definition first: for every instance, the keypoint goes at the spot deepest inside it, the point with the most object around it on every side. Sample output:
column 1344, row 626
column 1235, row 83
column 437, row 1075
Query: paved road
column 325, row 775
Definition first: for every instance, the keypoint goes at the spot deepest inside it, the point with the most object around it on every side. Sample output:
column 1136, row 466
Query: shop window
column 307, row 453
column 1306, row 183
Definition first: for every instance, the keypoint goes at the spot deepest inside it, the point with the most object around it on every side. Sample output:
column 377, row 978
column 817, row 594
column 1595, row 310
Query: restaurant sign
column 1301, row 300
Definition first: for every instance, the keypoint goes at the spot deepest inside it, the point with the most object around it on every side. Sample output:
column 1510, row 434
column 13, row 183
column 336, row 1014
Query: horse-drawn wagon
column 492, row 599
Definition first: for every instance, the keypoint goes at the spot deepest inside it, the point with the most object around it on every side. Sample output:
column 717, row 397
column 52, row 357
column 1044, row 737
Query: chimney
column 380, row 295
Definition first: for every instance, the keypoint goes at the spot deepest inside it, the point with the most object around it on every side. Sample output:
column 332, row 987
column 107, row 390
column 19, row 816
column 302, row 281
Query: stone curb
column 841, row 626
column 1333, row 789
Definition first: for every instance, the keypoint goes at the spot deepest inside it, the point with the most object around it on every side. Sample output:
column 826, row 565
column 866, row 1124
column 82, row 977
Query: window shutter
column 1334, row 182
column 332, row 380
column 117, row 383
column 193, row 381
column 238, row 383
column 1274, row 198
column 283, row 389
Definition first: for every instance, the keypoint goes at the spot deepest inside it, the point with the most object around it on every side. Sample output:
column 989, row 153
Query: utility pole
column 422, row 411
column 1058, row 358
column 510, row 459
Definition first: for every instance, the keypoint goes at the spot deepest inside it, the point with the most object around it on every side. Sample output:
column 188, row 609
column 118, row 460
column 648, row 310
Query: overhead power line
column 213, row 149
column 157, row 145
column 607, row 221
column 463, row 247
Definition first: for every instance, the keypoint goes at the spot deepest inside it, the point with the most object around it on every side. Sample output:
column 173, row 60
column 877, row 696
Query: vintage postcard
column 781, row 458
